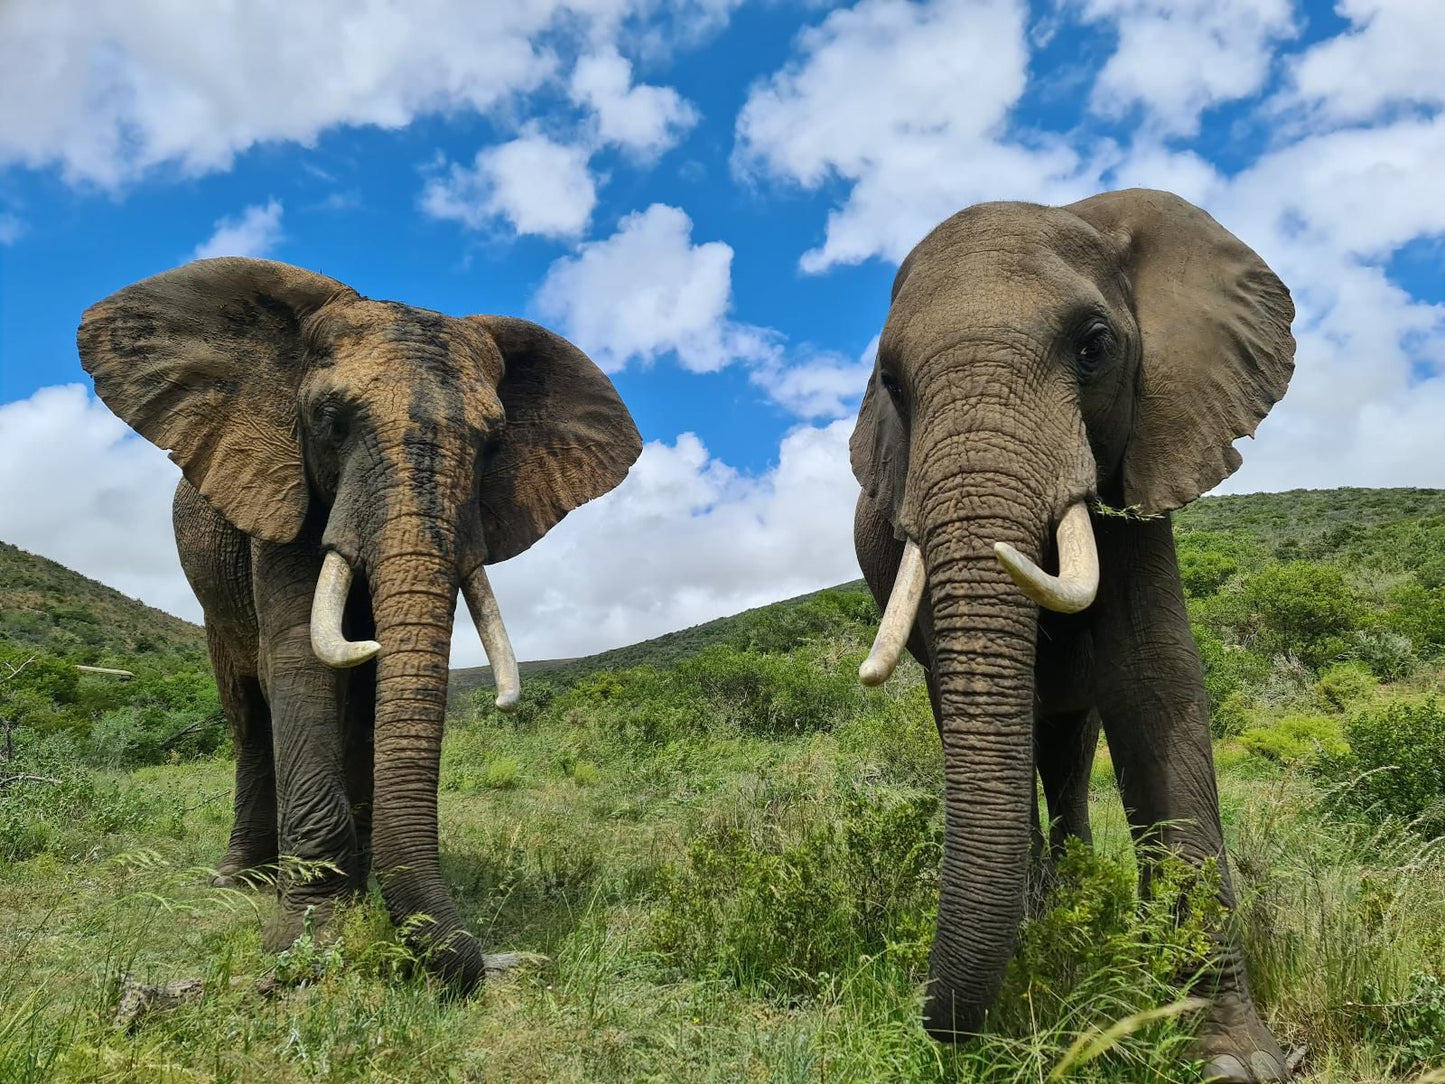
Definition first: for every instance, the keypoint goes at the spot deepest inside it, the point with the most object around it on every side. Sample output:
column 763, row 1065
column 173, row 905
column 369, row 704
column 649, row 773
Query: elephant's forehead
column 1016, row 268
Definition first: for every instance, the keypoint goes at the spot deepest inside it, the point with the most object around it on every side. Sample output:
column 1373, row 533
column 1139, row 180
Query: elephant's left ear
column 568, row 438
column 1217, row 348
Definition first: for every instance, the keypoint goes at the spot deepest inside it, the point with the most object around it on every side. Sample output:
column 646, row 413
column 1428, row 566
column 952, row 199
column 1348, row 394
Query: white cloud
column 108, row 92
column 1390, row 55
column 254, row 232
column 1176, row 58
column 647, row 291
column 711, row 541
column 645, row 120
column 536, row 185
column 907, row 102
column 819, row 384
column 82, row 489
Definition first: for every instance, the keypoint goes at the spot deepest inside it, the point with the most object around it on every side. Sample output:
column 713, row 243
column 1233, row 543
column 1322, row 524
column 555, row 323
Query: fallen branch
column 10, row 780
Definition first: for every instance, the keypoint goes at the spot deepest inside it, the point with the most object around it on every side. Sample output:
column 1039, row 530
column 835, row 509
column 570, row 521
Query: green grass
column 726, row 852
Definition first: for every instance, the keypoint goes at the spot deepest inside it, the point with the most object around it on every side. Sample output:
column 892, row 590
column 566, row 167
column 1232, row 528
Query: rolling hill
column 48, row 607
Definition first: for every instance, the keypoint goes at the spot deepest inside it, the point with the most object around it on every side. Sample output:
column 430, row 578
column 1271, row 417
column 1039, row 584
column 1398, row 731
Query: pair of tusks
column 1069, row 592
column 334, row 649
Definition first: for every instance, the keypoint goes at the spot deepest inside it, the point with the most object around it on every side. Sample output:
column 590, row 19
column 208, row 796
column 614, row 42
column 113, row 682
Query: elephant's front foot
column 288, row 923
column 243, row 868
column 1237, row 1048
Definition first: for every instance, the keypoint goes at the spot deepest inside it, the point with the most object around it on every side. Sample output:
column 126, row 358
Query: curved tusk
column 1078, row 580
column 487, row 616
column 327, row 640
column 898, row 618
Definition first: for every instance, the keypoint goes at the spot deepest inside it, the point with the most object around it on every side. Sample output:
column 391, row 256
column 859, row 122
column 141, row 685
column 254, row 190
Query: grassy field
column 724, row 860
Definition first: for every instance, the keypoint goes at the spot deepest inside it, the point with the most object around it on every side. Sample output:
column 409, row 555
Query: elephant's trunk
column 984, row 646
column 413, row 598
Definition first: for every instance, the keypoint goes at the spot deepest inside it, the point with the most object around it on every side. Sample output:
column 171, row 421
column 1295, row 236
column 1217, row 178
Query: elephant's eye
column 1093, row 347
column 892, row 387
column 330, row 420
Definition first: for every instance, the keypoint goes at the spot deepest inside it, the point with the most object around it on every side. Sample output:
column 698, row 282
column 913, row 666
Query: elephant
column 347, row 465
column 1050, row 384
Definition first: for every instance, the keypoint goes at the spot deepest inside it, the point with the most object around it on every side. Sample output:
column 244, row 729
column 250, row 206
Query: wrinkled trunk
column 984, row 630
column 414, row 598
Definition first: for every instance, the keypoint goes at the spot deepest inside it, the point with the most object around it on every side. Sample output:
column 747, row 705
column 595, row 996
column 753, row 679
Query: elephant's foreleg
column 1156, row 717
column 360, row 758
column 1065, row 757
column 252, row 847
column 316, row 832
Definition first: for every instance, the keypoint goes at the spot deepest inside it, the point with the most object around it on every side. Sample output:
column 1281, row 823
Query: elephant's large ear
column 568, row 437
column 878, row 450
column 1217, row 348
column 204, row 361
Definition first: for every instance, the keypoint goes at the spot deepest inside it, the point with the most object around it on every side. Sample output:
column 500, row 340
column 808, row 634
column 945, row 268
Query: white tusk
column 1078, row 580
column 327, row 605
column 487, row 616
column 898, row 618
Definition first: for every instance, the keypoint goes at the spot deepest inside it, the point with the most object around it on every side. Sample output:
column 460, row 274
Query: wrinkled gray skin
column 306, row 419
column 1033, row 357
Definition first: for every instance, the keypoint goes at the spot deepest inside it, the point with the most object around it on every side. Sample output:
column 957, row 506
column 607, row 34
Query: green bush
column 1343, row 685
column 824, row 616
column 1389, row 655
column 1204, row 571
column 1418, row 613
column 1233, row 716
column 1303, row 609
column 771, row 694
column 776, row 908
column 1296, row 740
column 1413, row 1025
column 1395, row 764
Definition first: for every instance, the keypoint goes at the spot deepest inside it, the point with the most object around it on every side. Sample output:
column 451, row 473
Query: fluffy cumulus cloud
column 82, row 489
column 108, row 92
column 905, row 102
column 713, row 542
column 1176, row 58
column 647, row 291
column 1391, row 55
column 642, row 119
column 254, row 232
column 535, row 185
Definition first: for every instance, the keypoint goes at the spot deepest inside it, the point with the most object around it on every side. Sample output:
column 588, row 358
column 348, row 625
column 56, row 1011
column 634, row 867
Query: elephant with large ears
column 1039, row 367
column 348, row 465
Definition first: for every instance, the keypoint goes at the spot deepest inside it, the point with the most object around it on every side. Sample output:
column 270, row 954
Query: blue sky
column 711, row 197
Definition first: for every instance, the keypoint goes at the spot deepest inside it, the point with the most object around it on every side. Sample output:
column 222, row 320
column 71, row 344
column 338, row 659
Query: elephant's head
column 1033, row 359
column 415, row 447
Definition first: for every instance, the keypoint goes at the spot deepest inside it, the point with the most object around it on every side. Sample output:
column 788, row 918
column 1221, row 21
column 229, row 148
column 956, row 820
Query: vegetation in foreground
column 729, row 858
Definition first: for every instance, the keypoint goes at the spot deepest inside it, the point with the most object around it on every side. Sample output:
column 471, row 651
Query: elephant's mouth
column 333, row 648
column 1072, row 590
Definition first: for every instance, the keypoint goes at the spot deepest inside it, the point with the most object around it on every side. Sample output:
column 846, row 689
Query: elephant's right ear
column 204, row 361
column 878, row 450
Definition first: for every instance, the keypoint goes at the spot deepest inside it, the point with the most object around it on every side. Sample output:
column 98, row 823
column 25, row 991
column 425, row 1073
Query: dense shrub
column 823, row 616
column 1303, row 609
column 1395, row 764
column 1344, row 685
column 771, row 694
column 1296, row 740
column 777, row 907
column 1417, row 613
column 1204, row 571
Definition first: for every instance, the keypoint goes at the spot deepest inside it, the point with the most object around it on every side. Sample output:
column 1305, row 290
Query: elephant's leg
column 360, row 754
column 316, row 833
column 1065, row 758
column 1155, row 715
column 252, row 848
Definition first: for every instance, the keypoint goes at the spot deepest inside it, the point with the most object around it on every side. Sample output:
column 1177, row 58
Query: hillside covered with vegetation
column 726, row 852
